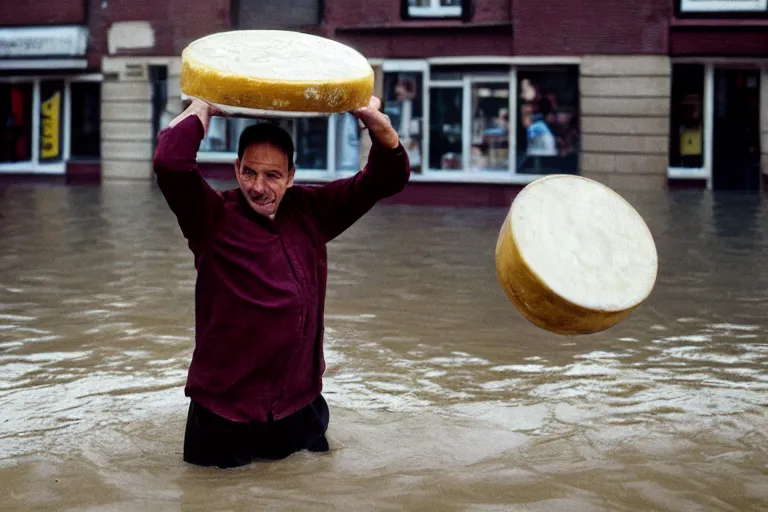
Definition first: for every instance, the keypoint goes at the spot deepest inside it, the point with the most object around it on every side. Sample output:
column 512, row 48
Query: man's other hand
column 197, row 108
column 378, row 123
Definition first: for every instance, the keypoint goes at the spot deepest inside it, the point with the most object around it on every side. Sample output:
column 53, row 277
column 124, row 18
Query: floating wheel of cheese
column 573, row 256
column 275, row 71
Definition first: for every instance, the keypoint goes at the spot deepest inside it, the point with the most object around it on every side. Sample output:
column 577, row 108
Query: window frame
column 435, row 11
column 721, row 9
column 464, row 175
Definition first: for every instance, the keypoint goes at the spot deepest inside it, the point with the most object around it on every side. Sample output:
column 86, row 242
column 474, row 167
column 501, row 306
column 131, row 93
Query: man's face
column 264, row 177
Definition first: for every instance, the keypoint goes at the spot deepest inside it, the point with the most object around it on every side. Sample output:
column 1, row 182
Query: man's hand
column 197, row 108
column 378, row 123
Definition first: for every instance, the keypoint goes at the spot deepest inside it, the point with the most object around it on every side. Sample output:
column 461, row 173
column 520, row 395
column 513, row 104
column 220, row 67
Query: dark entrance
column 736, row 130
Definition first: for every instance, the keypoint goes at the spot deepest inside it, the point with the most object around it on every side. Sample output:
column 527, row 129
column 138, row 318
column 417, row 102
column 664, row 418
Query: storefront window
column 16, row 118
column 490, row 127
column 548, row 121
column 686, row 141
column 445, row 130
column 310, row 136
column 86, row 119
column 404, row 105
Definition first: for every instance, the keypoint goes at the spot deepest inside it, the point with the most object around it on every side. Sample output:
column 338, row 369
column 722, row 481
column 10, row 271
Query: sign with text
column 723, row 5
column 26, row 42
column 51, row 99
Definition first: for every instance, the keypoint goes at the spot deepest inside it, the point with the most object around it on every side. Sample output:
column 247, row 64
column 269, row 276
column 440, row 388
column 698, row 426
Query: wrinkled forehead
column 265, row 155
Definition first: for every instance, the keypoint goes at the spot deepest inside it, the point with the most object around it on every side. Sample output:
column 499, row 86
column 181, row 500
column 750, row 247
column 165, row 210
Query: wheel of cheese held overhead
column 275, row 71
column 573, row 256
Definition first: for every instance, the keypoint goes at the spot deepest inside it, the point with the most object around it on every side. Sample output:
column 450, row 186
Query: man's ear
column 291, row 175
column 237, row 165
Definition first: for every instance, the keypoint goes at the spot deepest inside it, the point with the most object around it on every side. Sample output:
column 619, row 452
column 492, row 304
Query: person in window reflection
column 255, row 379
column 541, row 139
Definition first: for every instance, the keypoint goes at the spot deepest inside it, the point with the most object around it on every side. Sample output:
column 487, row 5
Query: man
column 255, row 379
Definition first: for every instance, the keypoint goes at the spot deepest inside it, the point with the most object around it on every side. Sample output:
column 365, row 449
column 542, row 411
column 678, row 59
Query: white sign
column 43, row 42
column 723, row 5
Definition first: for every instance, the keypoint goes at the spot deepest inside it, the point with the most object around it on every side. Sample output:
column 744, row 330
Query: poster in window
column 51, row 108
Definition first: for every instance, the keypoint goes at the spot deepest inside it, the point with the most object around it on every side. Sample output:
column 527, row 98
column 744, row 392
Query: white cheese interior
column 585, row 242
column 279, row 55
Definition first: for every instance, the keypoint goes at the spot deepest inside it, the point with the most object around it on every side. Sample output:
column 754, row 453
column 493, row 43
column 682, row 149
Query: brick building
column 486, row 94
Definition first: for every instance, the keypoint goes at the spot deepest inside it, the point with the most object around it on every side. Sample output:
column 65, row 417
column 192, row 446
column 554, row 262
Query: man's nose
column 259, row 185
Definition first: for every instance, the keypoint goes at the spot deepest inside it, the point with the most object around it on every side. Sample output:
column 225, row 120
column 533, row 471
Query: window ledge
column 36, row 168
column 681, row 173
column 471, row 178
column 718, row 22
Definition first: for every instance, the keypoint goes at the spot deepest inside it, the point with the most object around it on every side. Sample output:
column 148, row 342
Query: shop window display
column 490, row 127
column 445, row 130
column 16, row 117
column 686, row 141
column 548, row 121
column 404, row 105
column 86, row 120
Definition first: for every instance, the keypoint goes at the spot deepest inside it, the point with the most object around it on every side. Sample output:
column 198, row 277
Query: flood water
column 442, row 397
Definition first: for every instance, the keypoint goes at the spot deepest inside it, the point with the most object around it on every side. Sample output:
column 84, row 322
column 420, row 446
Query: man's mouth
column 261, row 201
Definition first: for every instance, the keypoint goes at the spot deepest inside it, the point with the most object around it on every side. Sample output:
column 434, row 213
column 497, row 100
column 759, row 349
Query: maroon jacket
column 260, row 293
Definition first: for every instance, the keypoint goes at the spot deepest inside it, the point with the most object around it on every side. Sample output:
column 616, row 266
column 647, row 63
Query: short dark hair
column 268, row 132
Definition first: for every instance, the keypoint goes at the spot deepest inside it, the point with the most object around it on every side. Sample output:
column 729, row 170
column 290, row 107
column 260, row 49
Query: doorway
column 736, row 130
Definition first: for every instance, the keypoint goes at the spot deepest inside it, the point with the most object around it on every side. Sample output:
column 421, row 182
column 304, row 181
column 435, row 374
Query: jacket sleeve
column 198, row 208
column 339, row 204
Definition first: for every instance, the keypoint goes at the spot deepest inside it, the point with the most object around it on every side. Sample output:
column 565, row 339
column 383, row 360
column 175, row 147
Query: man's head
column 264, row 166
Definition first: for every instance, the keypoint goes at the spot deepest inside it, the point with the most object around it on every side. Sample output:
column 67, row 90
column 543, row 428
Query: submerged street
column 442, row 396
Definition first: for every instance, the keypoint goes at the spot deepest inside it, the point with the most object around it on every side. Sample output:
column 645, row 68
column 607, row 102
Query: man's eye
column 273, row 176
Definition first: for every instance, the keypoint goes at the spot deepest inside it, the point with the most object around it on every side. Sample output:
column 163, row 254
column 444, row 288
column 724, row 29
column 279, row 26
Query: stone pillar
column 126, row 117
column 625, row 120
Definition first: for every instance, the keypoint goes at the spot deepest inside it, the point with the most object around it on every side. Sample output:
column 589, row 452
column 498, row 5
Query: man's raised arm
column 197, row 206
column 340, row 203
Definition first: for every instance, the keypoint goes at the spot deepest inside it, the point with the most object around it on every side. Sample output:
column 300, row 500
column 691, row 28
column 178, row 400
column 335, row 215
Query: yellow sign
column 49, row 143
column 690, row 142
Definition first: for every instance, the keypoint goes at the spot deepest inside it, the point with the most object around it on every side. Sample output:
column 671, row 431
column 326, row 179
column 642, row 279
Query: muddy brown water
column 442, row 397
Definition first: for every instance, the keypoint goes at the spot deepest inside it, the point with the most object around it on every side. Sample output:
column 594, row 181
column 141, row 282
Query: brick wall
column 42, row 12
column 290, row 14
column 555, row 27
column 584, row 27
column 175, row 23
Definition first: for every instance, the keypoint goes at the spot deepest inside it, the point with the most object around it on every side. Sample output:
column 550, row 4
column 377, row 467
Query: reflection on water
column 442, row 396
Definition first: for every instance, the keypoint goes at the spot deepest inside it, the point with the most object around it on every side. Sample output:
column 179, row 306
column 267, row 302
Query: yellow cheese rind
column 321, row 95
column 537, row 303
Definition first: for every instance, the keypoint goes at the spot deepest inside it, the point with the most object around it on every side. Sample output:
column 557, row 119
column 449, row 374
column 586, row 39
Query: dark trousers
column 210, row 440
